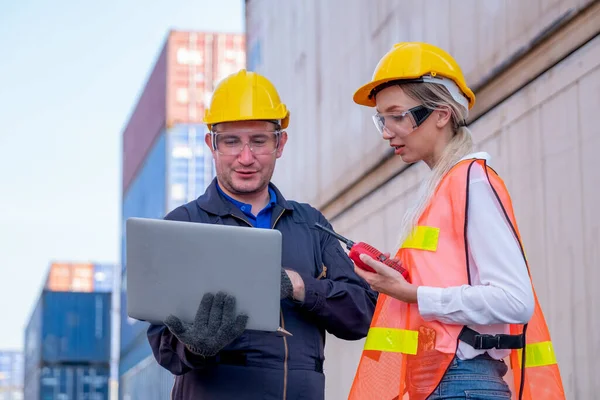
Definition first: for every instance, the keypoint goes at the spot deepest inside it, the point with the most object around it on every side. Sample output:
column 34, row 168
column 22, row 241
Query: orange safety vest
column 405, row 357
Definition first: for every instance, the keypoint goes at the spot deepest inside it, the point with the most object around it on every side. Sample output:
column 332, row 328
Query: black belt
column 239, row 359
column 486, row 342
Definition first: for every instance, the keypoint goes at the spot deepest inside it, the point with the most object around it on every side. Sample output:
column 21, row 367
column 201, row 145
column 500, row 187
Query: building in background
column 68, row 337
column 536, row 73
column 11, row 375
column 165, row 164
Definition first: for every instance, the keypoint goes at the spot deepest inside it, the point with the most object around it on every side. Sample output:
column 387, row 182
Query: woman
column 457, row 329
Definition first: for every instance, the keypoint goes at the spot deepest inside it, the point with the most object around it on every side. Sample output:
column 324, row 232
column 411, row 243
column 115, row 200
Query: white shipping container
column 332, row 141
column 541, row 139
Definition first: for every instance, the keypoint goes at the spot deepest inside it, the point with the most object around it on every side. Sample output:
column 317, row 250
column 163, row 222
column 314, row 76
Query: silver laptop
column 171, row 265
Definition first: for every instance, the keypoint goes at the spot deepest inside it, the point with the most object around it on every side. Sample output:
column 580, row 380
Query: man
column 214, row 357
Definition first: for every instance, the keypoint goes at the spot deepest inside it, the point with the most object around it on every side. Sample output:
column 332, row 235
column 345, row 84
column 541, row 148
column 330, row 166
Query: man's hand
column 292, row 285
column 214, row 327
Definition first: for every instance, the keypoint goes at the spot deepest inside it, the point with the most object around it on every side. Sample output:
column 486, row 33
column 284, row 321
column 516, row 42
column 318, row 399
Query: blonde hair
column 434, row 96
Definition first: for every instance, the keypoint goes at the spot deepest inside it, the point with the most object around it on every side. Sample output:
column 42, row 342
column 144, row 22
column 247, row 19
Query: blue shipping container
column 146, row 195
column 70, row 327
column 104, row 278
column 11, row 370
column 190, row 166
column 146, row 198
column 132, row 331
column 33, row 350
column 68, row 382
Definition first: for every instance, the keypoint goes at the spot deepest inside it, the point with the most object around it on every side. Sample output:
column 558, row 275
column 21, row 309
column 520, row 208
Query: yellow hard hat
column 245, row 96
column 417, row 62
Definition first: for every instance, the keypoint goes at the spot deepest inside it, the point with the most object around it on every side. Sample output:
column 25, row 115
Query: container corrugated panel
column 69, row 382
column 70, row 276
column 80, row 277
column 72, row 327
column 146, row 121
column 196, row 61
column 11, row 370
column 76, row 327
column 190, row 164
column 147, row 380
column 182, row 80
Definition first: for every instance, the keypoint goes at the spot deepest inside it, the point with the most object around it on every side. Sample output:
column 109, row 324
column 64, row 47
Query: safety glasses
column 231, row 143
column 401, row 123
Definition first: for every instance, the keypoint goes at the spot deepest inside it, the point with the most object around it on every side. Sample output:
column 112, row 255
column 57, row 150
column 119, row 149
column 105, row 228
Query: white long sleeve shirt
column 500, row 292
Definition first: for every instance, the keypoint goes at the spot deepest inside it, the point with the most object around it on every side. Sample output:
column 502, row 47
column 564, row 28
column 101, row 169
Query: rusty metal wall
column 542, row 139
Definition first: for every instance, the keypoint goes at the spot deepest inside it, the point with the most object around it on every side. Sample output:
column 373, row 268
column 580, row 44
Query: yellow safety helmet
column 245, row 96
column 417, row 62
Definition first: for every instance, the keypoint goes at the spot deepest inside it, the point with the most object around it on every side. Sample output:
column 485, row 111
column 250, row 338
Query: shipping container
column 332, row 141
column 31, row 388
column 32, row 352
column 104, row 277
column 147, row 380
column 190, row 166
column 147, row 194
column 68, row 382
column 11, row 370
column 182, row 80
column 69, row 327
column 136, row 352
column 536, row 73
column 166, row 163
column 80, row 277
column 131, row 330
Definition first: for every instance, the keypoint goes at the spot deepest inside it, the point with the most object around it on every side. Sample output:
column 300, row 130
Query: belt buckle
column 486, row 342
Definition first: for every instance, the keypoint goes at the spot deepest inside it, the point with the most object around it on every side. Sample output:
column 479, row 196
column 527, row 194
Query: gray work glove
column 214, row 327
column 287, row 289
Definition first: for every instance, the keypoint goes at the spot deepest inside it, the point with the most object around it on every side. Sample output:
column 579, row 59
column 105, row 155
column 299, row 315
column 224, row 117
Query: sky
column 70, row 75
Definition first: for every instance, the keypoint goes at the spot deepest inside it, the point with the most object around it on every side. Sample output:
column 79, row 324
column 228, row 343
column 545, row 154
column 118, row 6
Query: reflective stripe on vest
column 401, row 340
column 423, row 238
column 538, row 354
column 393, row 340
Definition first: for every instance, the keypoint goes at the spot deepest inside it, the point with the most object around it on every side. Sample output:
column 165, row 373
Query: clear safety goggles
column 401, row 123
column 232, row 143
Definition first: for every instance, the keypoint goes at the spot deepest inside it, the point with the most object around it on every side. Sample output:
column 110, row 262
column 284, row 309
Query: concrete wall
column 535, row 68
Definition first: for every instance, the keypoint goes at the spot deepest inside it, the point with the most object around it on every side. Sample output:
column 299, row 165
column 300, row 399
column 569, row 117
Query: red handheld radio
column 362, row 248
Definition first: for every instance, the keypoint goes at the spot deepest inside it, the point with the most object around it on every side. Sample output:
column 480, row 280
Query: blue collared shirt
column 263, row 219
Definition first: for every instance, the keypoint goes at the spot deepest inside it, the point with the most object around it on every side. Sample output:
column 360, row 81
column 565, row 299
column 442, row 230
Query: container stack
column 68, row 337
column 165, row 164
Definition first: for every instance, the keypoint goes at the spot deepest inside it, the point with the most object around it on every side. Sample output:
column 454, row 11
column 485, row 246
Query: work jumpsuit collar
column 212, row 201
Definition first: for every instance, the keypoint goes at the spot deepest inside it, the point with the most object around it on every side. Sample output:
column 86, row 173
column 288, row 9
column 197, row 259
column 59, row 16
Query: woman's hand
column 387, row 280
